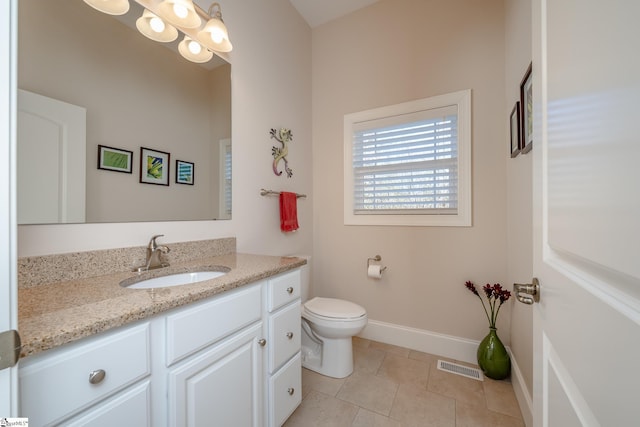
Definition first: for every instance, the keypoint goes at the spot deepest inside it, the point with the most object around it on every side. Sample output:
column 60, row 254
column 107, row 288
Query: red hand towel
column 288, row 211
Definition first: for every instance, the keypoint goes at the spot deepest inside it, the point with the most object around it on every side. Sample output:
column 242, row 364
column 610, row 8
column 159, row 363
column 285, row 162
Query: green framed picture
column 154, row 166
column 114, row 159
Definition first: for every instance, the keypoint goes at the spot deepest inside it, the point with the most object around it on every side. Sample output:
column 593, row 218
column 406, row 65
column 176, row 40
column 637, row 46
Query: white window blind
column 227, row 179
column 224, row 179
column 407, row 164
column 410, row 163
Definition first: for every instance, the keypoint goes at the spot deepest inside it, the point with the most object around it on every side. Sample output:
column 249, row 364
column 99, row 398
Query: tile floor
column 396, row 387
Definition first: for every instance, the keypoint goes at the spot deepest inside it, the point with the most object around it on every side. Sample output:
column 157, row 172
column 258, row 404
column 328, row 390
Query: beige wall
column 519, row 188
column 271, row 86
column 387, row 53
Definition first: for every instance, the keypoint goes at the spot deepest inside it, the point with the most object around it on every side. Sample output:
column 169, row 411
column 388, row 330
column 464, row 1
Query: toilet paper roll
column 374, row 271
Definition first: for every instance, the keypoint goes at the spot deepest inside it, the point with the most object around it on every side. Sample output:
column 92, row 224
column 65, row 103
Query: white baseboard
column 522, row 393
column 418, row 339
column 446, row 346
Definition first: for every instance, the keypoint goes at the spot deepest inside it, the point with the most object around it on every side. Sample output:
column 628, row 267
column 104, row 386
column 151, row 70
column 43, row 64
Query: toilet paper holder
column 376, row 258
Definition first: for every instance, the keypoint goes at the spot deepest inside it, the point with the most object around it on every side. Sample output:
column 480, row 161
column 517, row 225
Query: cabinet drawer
column 284, row 289
column 56, row 383
column 284, row 330
column 285, row 390
column 205, row 323
column 129, row 408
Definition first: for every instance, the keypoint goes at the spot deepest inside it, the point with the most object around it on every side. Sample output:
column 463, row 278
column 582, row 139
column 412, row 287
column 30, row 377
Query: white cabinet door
column 586, row 212
column 221, row 386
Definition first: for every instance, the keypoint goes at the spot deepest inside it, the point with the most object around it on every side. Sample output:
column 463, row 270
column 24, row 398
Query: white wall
column 271, row 87
column 390, row 52
column 519, row 188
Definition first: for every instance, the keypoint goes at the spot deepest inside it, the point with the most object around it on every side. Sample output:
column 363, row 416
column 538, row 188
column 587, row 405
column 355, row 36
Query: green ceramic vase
column 493, row 358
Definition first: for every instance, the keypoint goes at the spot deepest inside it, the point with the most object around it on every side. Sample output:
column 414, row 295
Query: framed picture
column 526, row 116
column 184, row 172
column 514, row 121
column 114, row 159
column 154, row 166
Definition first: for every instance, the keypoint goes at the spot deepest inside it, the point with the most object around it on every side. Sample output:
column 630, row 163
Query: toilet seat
column 333, row 308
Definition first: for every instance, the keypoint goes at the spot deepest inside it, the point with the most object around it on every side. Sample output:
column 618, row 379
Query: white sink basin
column 177, row 279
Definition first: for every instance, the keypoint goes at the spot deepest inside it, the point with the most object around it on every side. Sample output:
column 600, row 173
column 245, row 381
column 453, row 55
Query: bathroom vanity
column 221, row 352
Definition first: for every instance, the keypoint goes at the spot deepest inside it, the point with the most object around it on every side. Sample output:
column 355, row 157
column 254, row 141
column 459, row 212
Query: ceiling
column 317, row 12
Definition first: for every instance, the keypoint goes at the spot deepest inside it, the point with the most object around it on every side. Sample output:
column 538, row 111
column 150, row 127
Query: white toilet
column 328, row 324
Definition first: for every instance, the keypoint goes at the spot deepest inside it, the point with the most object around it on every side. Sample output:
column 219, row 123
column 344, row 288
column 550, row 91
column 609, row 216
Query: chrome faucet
column 154, row 253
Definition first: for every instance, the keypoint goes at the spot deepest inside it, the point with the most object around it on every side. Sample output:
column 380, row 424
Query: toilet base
column 336, row 360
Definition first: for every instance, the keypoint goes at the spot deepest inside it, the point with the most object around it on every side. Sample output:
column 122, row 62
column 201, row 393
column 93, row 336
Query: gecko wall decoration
column 284, row 136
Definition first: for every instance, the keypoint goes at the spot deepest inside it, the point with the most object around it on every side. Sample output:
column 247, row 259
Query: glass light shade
column 193, row 51
column 163, row 32
column 214, row 35
column 180, row 13
column 110, row 7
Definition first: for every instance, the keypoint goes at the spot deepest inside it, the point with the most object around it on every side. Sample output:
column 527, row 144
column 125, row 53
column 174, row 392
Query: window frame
column 463, row 218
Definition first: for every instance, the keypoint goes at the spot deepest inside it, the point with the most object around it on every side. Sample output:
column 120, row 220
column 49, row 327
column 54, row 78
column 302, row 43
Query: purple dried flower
column 493, row 294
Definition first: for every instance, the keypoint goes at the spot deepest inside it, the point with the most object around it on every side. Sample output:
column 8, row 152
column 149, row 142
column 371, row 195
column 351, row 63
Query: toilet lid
column 335, row 308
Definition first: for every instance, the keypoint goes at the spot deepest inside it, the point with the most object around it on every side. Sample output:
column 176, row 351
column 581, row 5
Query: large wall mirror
column 134, row 93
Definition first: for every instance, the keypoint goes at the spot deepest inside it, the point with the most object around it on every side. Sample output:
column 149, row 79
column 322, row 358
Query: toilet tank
column 305, row 278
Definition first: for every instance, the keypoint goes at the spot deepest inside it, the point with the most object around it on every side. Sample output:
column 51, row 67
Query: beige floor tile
column 319, row 410
column 415, row 406
column 360, row 342
column 424, row 357
column 389, row 348
column 469, row 416
column 501, row 397
column 367, row 360
column 404, row 371
column 313, row 381
column 366, row 418
column 369, row 391
column 462, row 389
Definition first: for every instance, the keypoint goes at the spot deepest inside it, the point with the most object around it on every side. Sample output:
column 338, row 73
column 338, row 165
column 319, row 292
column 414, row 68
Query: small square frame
column 514, row 125
column 526, row 115
column 185, row 172
column 154, row 166
column 114, row 159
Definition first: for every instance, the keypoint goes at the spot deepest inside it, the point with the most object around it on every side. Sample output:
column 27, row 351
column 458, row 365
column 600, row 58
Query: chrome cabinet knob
column 289, row 290
column 528, row 293
column 96, row 377
column 262, row 342
column 291, row 390
column 289, row 335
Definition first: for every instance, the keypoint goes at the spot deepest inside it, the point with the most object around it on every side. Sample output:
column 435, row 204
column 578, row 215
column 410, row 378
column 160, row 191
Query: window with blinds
column 408, row 164
column 224, row 200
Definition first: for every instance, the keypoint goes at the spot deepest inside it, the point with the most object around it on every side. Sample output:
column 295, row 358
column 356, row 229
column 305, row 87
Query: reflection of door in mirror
column 51, row 160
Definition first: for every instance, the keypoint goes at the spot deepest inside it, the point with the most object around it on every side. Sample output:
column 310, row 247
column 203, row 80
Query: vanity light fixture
column 152, row 26
column 214, row 35
column 199, row 41
column 110, row 7
column 193, row 51
column 180, row 13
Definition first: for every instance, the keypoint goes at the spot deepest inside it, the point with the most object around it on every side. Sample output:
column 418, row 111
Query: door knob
column 528, row 293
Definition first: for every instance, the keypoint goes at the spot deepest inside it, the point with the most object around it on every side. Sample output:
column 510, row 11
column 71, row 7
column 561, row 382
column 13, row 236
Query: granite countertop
column 58, row 313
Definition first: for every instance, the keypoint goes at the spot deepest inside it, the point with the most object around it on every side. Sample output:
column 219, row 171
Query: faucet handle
column 152, row 243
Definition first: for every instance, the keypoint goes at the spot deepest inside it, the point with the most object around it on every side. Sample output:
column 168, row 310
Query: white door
column 8, row 278
column 586, row 68
column 51, row 160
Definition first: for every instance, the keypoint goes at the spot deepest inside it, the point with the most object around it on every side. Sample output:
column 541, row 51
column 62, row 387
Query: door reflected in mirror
column 135, row 93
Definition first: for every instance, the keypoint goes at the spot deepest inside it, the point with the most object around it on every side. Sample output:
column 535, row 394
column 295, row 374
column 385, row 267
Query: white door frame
column 8, row 235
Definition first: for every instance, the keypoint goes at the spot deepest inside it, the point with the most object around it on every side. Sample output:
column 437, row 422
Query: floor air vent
column 465, row 371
